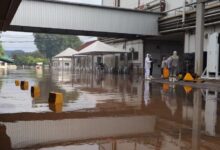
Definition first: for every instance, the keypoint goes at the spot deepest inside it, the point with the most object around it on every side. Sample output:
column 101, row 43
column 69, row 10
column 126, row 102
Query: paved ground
column 207, row 84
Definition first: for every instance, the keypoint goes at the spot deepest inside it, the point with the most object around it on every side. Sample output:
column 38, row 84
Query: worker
column 172, row 63
column 169, row 65
column 151, row 67
column 147, row 67
column 163, row 65
column 175, row 64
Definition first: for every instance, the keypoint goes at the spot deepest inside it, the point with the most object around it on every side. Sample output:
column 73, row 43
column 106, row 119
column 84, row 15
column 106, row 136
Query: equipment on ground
column 188, row 77
column 212, row 69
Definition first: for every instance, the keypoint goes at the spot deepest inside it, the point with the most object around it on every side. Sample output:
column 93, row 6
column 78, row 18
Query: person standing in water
column 147, row 66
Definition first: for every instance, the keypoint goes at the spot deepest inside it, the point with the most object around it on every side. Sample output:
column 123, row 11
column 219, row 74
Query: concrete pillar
column 199, row 37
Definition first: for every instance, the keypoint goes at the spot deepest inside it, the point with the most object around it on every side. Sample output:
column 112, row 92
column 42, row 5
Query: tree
column 1, row 50
column 52, row 44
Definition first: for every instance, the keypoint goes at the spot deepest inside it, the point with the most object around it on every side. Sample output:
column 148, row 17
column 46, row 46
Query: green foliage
column 30, row 58
column 52, row 44
column 1, row 50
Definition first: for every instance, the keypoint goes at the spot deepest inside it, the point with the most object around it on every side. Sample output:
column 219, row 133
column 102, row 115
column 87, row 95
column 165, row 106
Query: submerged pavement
column 106, row 112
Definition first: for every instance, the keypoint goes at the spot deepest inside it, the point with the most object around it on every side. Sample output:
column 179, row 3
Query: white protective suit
column 147, row 66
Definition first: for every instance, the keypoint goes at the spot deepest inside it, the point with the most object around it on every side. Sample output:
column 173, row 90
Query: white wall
column 108, row 2
column 138, row 47
column 61, row 63
column 129, row 3
column 189, row 46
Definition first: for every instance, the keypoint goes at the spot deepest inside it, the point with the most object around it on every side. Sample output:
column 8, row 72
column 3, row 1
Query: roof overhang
column 8, row 9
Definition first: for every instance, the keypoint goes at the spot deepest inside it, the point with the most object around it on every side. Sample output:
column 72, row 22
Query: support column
column 199, row 37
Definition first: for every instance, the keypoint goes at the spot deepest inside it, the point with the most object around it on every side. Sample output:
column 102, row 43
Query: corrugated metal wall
column 85, row 18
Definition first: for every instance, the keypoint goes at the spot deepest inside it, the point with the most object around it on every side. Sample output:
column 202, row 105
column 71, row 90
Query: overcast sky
column 24, row 41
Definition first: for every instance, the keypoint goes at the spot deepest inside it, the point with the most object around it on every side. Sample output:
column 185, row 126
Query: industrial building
column 158, row 27
column 176, row 27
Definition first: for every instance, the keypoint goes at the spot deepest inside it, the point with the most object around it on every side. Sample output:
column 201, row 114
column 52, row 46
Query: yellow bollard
column 56, row 107
column 17, row 83
column 55, row 98
column 24, row 85
column 35, row 91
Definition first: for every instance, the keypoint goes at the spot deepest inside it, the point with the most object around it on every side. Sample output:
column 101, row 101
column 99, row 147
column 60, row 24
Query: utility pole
column 200, row 8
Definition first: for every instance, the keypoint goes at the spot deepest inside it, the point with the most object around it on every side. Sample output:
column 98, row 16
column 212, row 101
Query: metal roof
column 68, row 53
column 100, row 48
column 6, row 59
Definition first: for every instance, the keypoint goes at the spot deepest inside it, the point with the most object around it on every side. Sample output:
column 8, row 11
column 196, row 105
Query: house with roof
column 64, row 60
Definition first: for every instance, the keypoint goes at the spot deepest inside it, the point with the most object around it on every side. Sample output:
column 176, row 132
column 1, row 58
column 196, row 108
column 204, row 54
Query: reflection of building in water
column 39, row 72
column 61, row 76
column 208, row 114
column 99, row 87
column 210, row 111
column 29, row 133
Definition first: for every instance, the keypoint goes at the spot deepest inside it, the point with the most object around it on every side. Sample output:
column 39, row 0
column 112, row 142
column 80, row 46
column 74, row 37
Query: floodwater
column 105, row 112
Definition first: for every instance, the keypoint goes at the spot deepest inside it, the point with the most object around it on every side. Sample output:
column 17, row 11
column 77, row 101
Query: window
column 117, row 3
column 122, row 57
column 135, row 56
column 129, row 56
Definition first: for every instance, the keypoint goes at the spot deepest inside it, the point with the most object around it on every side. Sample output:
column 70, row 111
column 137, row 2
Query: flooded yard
column 106, row 112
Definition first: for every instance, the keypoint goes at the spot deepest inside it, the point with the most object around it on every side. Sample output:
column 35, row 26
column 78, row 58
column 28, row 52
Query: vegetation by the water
column 29, row 58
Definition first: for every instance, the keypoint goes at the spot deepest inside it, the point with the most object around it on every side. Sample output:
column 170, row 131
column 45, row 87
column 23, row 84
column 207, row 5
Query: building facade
column 176, row 28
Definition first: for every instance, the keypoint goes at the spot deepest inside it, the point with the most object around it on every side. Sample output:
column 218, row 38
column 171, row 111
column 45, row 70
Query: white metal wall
column 138, row 47
column 129, row 3
column 42, row 14
column 189, row 46
column 108, row 3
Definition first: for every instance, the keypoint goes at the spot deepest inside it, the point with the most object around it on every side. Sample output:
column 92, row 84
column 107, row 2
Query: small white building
column 64, row 59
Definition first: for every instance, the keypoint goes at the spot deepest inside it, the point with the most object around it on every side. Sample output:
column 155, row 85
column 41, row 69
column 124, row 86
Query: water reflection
column 31, row 133
column 210, row 112
column 108, row 112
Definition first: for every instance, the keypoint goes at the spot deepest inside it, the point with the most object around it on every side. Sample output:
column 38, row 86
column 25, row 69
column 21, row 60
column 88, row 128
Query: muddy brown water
column 105, row 112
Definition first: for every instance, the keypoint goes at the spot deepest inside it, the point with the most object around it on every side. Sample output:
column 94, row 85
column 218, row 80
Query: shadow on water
column 108, row 112
column 5, row 142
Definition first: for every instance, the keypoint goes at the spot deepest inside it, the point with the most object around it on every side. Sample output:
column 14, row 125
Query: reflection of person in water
column 146, row 92
column 5, row 142
column 168, row 95
column 172, row 103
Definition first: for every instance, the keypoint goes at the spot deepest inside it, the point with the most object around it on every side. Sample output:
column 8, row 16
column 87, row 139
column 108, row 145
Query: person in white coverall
column 147, row 66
